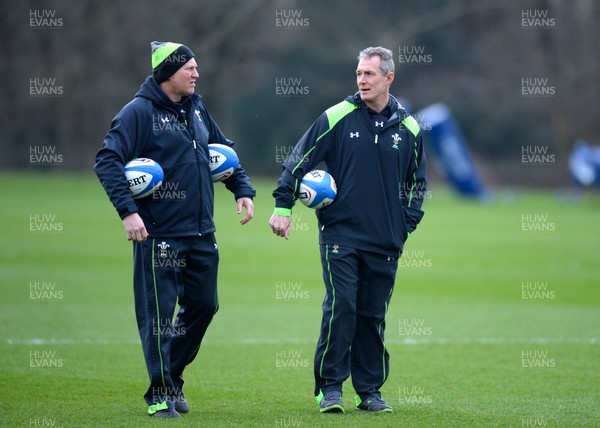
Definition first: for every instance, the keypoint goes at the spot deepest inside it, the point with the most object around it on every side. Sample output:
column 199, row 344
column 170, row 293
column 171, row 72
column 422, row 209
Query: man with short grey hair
column 373, row 149
column 387, row 59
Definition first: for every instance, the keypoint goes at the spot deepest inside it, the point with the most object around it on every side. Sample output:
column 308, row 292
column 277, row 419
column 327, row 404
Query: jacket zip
column 197, row 157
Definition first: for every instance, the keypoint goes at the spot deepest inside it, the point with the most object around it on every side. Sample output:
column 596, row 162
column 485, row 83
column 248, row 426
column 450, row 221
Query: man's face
column 183, row 82
column 372, row 84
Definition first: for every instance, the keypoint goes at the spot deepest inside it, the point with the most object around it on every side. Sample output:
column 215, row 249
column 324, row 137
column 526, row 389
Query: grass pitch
column 495, row 319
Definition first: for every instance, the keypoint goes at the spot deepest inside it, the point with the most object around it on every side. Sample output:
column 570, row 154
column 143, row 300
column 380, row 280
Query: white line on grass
column 285, row 341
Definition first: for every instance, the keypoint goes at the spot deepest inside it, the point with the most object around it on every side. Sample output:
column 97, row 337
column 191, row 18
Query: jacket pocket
column 402, row 223
column 148, row 214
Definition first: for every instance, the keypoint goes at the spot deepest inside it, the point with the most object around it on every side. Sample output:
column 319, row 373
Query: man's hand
column 249, row 205
column 280, row 225
column 134, row 226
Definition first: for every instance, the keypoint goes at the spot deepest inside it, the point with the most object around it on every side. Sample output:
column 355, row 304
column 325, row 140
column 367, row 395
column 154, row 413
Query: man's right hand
column 280, row 225
column 134, row 226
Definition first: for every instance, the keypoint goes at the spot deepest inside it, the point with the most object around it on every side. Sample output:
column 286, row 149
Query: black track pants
column 166, row 272
column 358, row 287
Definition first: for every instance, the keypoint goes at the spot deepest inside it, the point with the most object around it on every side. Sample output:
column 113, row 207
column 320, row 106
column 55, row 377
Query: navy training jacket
column 177, row 137
column 380, row 173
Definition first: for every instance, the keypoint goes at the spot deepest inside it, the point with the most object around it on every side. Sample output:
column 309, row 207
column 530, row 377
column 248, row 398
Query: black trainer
column 166, row 413
column 181, row 404
column 374, row 404
column 330, row 402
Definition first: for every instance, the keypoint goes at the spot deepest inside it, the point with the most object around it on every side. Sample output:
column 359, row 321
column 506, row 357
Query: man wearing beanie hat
column 167, row 58
column 175, row 252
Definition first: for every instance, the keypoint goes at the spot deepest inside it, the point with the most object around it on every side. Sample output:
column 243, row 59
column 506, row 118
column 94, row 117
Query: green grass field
column 490, row 324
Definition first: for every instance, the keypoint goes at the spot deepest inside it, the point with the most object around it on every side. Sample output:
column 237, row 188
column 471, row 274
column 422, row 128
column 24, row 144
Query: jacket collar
column 395, row 107
column 152, row 91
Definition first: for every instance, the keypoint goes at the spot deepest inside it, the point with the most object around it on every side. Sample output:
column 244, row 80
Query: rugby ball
column 223, row 161
column 317, row 189
column 143, row 176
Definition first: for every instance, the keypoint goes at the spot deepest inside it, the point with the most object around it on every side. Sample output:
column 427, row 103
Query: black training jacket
column 177, row 137
column 379, row 169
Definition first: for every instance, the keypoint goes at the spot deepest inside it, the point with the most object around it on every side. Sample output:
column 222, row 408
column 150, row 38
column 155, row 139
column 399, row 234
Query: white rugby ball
column 317, row 189
column 223, row 161
column 143, row 176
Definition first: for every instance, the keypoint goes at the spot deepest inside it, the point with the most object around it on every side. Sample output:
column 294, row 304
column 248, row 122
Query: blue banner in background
column 584, row 164
column 450, row 147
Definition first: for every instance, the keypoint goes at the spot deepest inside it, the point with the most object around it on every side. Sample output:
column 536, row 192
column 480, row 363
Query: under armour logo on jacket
column 354, row 134
column 379, row 124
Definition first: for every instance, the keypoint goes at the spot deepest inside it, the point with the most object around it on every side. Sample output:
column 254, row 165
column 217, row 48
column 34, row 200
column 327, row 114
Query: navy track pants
column 166, row 272
column 359, row 286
